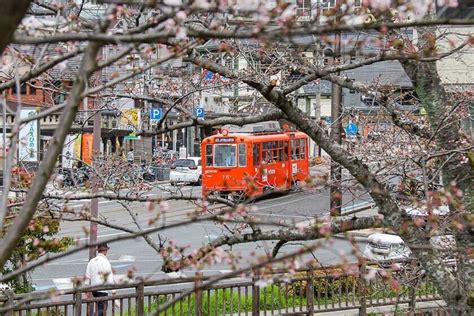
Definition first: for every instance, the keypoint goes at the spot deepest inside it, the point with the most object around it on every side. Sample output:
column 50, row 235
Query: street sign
column 199, row 112
column 131, row 136
column 352, row 129
column 156, row 114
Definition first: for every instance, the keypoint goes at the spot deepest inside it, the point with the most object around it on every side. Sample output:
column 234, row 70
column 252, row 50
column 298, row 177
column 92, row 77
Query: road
column 139, row 256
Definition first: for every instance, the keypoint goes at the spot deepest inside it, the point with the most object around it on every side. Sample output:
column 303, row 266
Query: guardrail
column 307, row 292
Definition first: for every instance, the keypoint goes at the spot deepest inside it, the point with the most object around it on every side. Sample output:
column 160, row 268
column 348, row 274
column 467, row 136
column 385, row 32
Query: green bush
column 325, row 284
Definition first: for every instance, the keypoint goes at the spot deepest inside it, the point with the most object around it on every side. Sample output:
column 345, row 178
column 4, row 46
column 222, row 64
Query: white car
column 186, row 170
column 385, row 249
column 442, row 210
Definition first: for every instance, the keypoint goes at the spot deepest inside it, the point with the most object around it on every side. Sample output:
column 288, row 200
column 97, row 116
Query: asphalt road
column 139, row 256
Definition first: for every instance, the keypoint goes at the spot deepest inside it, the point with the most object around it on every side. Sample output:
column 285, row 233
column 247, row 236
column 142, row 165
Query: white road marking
column 176, row 275
column 282, row 215
column 285, row 203
column 66, row 283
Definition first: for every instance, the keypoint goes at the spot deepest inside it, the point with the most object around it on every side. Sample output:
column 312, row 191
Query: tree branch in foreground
column 46, row 167
column 193, row 218
column 315, row 231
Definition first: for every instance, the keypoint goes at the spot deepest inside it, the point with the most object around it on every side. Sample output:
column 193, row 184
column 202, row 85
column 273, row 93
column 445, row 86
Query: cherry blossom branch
column 147, row 238
column 134, row 73
column 397, row 117
column 133, row 198
column 310, row 232
column 59, row 107
column 87, row 68
column 383, row 56
column 236, row 120
column 35, row 72
column 194, row 218
column 237, row 272
column 267, row 34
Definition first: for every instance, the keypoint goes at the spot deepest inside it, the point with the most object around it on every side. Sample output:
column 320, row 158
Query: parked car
column 442, row 210
column 385, row 249
column 186, row 170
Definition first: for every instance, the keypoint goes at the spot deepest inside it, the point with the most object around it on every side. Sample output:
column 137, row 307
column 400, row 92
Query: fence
column 305, row 293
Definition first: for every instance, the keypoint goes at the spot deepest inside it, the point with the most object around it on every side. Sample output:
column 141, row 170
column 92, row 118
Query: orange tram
column 241, row 165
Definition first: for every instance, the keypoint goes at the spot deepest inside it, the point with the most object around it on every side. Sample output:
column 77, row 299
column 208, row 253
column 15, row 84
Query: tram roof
column 261, row 136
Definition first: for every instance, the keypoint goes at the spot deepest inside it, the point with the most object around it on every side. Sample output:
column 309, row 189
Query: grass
column 271, row 298
column 227, row 302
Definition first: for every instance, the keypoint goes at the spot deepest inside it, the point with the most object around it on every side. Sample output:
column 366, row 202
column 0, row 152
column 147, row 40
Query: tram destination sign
column 225, row 140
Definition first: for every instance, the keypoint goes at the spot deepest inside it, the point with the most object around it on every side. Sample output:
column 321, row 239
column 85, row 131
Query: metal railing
column 307, row 292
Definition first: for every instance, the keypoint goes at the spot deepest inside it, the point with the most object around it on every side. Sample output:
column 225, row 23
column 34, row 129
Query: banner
column 130, row 119
column 87, row 140
column 68, row 151
column 7, row 147
column 28, row 138
column 78, row 147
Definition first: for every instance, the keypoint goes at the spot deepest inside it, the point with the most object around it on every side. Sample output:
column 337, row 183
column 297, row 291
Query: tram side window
column 284, row 152
column 266, row 152
column 209, row 158
column 273, row 152
column 242, row 155
column 256, row 154
column 298, row 149
column 303, row 148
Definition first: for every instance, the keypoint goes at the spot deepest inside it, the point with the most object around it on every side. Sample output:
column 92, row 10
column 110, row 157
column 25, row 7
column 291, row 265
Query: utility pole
column 4, row 136
column 336, row 129
column 94, row 181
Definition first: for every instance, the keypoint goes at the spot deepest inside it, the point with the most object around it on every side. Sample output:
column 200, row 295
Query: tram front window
column 225, row 155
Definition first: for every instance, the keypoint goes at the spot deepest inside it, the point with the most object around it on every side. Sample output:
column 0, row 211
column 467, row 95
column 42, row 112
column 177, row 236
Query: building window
column 327, row 4
column 22, row 89
column 303, row 7
column 33, row 88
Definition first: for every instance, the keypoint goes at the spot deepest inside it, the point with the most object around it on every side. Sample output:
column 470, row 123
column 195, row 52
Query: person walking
column 99, row 272
column 130, row 156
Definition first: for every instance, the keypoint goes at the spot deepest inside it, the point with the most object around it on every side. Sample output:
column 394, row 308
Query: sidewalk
column 402, row 309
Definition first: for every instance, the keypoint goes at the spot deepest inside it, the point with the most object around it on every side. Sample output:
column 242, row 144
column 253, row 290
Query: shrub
column 326, row 284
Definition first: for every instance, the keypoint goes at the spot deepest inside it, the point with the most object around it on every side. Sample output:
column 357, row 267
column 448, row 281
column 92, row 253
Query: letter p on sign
column 156, row 113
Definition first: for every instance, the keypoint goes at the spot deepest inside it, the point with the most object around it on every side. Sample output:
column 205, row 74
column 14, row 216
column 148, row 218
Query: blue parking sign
column 156, row 113
column 352, row 129
column 199, row 112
